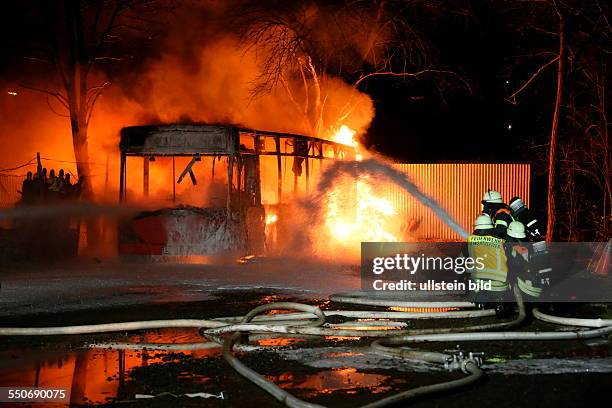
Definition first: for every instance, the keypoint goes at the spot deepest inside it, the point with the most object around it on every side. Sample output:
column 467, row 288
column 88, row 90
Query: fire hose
column 310, row 320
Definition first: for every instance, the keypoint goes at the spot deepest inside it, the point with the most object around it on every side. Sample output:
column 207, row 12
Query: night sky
column 414, row 122
column 462, row 125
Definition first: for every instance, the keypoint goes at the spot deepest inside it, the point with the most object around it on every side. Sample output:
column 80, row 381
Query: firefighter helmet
column 483, row 222
column 492, row 196
column 516, row 204
column 516, row 229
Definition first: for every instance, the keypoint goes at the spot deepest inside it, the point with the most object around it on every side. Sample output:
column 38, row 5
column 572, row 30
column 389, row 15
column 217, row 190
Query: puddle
column 95, row 375
column 322, row 370
column 347, row 380
column 361, row 358
column 101, row 376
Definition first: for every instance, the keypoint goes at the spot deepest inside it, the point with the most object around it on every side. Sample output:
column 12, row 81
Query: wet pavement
column 341, row 372
column 28, row 289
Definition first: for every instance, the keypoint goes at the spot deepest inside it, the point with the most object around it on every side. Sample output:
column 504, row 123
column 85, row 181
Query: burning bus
column 210, row 189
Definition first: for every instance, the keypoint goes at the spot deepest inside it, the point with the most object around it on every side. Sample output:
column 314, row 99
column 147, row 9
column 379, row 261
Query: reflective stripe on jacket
column 527, row 288
column 503, row 217
column 491, row 252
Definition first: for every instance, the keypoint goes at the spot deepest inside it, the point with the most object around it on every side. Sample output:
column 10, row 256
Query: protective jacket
column 522, row 269
column 502, row 218
column 533, row 226
column 490, row 251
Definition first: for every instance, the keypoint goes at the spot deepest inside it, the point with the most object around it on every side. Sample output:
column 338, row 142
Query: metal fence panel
column 10, row 185
column 458, row 188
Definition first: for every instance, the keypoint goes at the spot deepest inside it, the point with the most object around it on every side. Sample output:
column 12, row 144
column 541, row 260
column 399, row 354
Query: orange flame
column 271, row 218
column 346, row 135
column 355, row 213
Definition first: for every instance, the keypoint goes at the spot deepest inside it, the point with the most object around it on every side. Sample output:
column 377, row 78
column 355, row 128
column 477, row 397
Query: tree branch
column 63, row 100
column 512, row 98
column 407, row 74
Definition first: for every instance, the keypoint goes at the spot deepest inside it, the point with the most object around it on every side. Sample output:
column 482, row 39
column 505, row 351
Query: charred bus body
column 212, row 189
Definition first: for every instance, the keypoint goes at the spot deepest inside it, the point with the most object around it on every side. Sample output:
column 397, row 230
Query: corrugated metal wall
column 458, row 188
column 9, row 186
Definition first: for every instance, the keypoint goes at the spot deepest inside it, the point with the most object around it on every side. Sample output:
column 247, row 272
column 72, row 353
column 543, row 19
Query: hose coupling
column 458, row 359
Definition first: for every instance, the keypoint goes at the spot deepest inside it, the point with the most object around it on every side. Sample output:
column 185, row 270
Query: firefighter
column 485, row 246
column 535, row 231
column 493, row 205
column 520, row 256
column 533, row 226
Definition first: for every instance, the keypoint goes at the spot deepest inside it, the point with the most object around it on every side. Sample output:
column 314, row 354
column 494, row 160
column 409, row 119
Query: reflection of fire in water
column 102, row 375
column 276, row 341
column 348, row 380
column 96, row 375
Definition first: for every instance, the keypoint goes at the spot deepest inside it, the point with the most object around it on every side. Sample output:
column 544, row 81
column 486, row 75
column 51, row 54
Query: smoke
column 199, row 71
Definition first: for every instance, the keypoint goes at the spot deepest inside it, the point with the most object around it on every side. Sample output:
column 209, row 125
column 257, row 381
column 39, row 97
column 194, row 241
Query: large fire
column 354, row 211
column 224, row 73
column 346, row 135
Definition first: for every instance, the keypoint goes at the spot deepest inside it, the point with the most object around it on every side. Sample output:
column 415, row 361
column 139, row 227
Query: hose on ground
column 392, row 345
column 475, row 373
column 369, row 314
column 311, row 321
column 536, row 335
column 108, row 327
column 570, row 321
column 470, row 367
column 582, row 334
column 365, row 298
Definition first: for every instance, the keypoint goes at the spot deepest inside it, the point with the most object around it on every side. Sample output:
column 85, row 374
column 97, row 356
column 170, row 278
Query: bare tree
column 573, row 197
column 300, row 46
column 592, row 161
column 81, row 35
column 535, row 10
column 589, row 29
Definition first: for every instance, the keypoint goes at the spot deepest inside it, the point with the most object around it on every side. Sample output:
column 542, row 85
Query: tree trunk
column 81, row 154
column 76, row 90
column 552, row 157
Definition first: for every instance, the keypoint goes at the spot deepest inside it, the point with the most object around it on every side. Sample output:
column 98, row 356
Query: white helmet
column 516, row 229
column 492, row 196
column 516, row 204
column 483, row 222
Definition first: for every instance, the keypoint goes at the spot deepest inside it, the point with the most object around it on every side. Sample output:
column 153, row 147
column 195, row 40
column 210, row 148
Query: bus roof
column 205, row 139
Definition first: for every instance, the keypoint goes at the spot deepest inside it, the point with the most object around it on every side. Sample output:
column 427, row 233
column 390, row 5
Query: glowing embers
column 423, row 309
